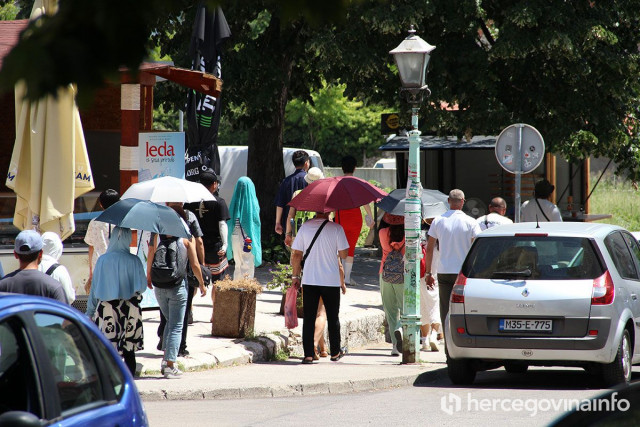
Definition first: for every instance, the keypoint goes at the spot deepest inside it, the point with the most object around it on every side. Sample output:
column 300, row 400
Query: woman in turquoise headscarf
column 116, row 291
column 244, row 229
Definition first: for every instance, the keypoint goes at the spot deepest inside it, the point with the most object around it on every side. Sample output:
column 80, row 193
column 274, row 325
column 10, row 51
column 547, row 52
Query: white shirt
column 321, row 267
column 61, row 274
column 454, row 230
column 98, row 237
column 531, row 212
column 491, row 220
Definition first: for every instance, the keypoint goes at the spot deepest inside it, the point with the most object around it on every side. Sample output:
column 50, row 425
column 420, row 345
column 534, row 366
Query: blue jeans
column 172, row 303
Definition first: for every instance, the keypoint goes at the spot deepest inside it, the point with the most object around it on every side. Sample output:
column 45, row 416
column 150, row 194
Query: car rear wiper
column 511, row 274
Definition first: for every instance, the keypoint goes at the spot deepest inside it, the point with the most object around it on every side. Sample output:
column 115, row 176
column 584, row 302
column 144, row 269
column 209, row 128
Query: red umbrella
column 336, row 193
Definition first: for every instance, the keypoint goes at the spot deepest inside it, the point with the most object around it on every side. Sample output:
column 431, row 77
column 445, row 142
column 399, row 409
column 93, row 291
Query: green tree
column 334, row 125
column 571, row 69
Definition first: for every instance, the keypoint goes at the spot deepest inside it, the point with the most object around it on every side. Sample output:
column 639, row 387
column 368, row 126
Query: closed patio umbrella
column 49, row 166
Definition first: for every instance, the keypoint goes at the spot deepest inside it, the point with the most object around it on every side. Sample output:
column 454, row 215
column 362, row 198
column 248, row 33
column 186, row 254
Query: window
column 113, row 370
column 532, row 257
column 18, row 388
column 74, row 369
column 634, row 246
column 621, row 256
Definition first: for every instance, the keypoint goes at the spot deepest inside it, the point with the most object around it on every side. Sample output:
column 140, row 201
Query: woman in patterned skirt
column 116, row 292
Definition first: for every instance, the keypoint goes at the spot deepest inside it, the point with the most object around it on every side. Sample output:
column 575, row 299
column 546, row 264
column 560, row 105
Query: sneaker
column 398, row 334
column 172, row 373
column 395, row 352
column 163, row 365
column 433, row 340
column 425, row 344
column 183, row 353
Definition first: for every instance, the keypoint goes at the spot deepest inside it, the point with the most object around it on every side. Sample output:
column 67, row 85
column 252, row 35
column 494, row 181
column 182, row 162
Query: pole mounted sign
column 519, row 149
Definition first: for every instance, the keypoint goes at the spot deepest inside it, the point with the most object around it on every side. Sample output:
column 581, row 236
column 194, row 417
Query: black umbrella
column 434, row 202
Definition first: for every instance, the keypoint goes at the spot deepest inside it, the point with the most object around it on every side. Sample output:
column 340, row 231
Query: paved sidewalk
column 371, row 368
column 360, row 314
column 368, row 366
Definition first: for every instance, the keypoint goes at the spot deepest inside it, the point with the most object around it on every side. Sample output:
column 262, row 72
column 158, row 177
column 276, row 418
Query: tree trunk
column 266, row 170
column 264, row 163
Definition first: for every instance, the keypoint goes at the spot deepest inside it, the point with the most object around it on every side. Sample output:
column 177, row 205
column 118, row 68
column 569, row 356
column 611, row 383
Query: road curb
column 433, row 373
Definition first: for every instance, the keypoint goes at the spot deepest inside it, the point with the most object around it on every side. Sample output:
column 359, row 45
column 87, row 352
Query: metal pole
column 410, row 318
column 518, row 173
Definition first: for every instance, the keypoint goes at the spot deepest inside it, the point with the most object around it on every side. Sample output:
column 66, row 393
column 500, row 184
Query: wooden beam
column 196, row 80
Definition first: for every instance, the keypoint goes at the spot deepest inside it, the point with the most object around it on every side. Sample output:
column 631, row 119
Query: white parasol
column 49, row 166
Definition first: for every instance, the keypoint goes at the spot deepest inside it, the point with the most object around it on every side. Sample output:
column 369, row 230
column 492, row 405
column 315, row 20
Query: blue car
column 57, row 368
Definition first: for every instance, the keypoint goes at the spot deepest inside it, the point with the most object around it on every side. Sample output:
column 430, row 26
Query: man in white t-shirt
column 454, row 230
column 540, row 209
column 321, row 278
column 497, row 210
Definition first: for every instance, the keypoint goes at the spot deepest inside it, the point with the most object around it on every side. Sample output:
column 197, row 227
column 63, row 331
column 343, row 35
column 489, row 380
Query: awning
column 429, row 142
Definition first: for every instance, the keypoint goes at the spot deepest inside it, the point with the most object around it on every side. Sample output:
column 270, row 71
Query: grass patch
column 280, row 356
column 619, row 198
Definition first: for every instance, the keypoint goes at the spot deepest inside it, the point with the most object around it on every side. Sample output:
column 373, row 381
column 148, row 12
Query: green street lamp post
column 412, row 58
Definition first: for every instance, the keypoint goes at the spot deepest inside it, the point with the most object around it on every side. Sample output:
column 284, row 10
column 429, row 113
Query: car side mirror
column 19, row 419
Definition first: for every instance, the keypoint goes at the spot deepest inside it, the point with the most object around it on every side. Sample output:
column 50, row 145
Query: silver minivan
column 547, row 294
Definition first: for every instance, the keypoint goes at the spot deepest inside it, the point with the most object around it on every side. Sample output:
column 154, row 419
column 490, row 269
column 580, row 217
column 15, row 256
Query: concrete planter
column 234, row 313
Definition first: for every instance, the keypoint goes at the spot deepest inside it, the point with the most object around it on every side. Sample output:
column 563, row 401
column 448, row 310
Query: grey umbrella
column 434, row 202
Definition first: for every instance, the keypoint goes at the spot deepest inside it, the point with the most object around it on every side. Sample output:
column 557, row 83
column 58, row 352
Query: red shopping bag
column 290, row 309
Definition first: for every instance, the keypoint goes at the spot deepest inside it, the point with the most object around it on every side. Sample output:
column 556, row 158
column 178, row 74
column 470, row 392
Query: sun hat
column 28, row 242
column 393, row 219
column 313, row 174
column 543, row 189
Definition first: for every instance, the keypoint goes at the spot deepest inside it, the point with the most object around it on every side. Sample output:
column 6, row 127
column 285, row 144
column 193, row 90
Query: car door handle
column 634, row 297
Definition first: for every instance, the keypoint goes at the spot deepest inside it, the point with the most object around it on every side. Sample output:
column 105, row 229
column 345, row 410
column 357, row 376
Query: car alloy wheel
column 619, row 371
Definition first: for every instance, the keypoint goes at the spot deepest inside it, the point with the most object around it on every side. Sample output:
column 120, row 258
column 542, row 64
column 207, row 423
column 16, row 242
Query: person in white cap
column 51, row 253
column 295, row 218
column 27, row 279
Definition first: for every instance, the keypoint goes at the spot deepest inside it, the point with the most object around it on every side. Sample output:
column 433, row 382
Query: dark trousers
column 130, row 360
column 445, row 286
column 163, row 320
column 310, row 299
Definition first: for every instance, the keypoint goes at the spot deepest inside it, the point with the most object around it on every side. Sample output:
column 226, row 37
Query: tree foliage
column 334, row 125
column 571, row 68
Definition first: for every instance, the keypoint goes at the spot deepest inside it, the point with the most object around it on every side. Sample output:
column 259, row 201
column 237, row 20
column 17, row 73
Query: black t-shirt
column 209, row 214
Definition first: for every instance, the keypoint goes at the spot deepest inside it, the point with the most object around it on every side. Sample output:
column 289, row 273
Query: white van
column 233, row 165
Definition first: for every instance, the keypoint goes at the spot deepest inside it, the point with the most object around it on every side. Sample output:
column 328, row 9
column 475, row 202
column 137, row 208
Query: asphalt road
column 497, row 398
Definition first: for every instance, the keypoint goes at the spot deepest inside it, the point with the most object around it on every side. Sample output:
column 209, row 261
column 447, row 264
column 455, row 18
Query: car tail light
column 593, row 332
column 603, row 290
column 457, row 293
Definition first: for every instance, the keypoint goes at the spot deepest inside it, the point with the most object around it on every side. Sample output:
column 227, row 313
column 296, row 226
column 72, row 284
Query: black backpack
column 169, row 266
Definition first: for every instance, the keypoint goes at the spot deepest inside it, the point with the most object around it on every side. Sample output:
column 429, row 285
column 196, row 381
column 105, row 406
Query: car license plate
column 536, row 325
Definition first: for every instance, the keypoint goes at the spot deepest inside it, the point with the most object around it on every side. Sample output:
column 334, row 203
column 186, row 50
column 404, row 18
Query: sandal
column 307, row 360
column 324, row 353
column 338, row 357
column 316, row 356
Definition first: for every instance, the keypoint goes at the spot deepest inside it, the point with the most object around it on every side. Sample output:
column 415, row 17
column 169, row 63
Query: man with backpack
column 167, row 275
column 392, row 276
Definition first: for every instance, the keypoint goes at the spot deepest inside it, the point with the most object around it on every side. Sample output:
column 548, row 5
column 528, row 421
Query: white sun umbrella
column 49, row 165
column 168, row 189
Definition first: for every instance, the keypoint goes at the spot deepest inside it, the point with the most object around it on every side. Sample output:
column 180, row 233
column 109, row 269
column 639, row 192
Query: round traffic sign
column 519, row 148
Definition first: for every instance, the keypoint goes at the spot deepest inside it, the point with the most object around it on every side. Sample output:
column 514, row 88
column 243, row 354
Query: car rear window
column 532, row 257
